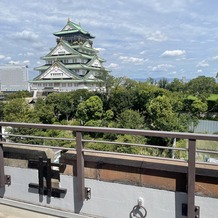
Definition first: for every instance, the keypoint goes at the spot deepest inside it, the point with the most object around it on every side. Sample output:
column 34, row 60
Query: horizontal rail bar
column 37, row 146
column 133, row 155
column 39, row 137
column 206, row 151
column 134, row 144
column 150, row 133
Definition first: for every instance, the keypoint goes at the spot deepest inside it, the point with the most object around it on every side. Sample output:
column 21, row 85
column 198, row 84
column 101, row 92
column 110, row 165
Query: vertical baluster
column 2, row 172
column 191, row 177
column 80, row 167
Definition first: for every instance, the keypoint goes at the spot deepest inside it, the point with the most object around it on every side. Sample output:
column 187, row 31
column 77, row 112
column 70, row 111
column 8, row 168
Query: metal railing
column 80, row 149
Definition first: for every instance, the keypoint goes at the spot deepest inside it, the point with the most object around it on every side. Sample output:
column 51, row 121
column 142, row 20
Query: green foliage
column 198, row 107
column 182, row 143
column 162, row 115
column 91, row 109
column 125, row 103
column 19, row 94
column 200, row 85
column 121, row 99
column 162, row 83
column 17, row 110
column 129, row 148
column 176, row 86
column 130, row 119
column 44, row 112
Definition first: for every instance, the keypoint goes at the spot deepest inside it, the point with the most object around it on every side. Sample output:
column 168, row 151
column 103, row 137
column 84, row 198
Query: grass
column 202, row 145
column 207, row 145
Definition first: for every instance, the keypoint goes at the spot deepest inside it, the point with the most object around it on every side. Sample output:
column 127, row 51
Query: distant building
column 72, row 64
column 13, row 78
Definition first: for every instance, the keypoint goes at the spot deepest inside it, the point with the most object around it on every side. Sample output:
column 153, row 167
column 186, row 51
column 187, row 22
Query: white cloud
column 156, row 36
column 29, row 54
column 100, row 49
column 7, row 58
column 168, row 6
column 14, row 62
column 199, row 71
column 26, row 62
column 173, row 53
column 160, row 67
column 202, row 64
column 2, row 57
column 215, row 58
column 133, row 60
column 26, row 35
column 113, row 65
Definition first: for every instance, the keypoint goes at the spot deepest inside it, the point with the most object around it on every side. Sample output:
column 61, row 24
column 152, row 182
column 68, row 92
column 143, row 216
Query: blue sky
column 137, row 38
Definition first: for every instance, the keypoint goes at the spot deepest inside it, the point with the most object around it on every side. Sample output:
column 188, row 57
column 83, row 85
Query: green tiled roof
column 75, row 28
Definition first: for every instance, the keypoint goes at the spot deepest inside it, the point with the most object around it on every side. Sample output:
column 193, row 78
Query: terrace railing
column 81, row 142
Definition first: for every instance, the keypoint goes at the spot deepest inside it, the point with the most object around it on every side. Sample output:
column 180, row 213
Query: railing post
column 2, row 171
column 80, row 167
column 191, row 177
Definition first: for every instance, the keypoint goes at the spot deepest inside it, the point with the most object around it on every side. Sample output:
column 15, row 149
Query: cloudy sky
column 137, row 38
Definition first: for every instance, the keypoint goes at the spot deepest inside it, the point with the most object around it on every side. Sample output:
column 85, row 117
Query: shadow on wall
column 2, row 192
column 180, row 198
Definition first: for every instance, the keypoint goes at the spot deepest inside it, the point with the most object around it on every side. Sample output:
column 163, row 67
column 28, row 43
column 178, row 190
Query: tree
column 176, row 86
column 198, row 107
column 131, row 120
column 65, row 105
column 162, row 114
column 121, row 99
column 17, row 110
column 91, row 109
column 19, row 94
column 44, row 112
column 162, row 83
column 200, row 85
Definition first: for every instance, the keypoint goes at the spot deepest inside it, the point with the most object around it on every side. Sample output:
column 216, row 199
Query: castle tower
column 72, row 64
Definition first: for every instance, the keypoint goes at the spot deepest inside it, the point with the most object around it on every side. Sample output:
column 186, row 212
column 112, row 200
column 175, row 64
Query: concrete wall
column 115, row 188
column 108, row 199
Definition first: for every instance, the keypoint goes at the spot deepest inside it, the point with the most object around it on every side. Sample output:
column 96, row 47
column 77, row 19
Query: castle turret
column 72, row 64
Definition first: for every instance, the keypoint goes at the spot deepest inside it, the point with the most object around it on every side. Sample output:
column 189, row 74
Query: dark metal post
column 191, row 177
column 40, row 176
column 80, row 167
column 2, row 171
column 48, row 177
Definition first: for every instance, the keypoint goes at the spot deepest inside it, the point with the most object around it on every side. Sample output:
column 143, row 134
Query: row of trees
column 197, row 86
column 125, row 104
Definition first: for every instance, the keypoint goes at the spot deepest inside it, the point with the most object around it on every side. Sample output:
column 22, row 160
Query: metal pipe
column 80, row 167
column 2, row 172
column 191, row 178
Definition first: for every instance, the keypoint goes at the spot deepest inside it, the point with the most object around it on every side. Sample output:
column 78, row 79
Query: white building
column 13, row 78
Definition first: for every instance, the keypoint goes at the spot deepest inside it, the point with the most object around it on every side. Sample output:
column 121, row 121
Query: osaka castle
column 72, row 64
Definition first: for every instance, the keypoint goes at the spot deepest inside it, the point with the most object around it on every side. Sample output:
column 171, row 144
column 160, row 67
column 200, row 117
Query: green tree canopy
column 17, row 110
column 176, row 85
column 200, row 85
column 130, row 119
column 91, row 109
column 162, row 115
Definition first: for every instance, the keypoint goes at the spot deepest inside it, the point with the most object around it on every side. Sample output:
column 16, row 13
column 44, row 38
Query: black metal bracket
column 7, row 180
column 87, row 193
column 4, row 179
column 185, row 211
column 46, row 172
